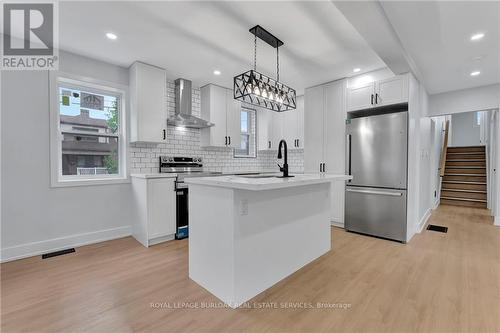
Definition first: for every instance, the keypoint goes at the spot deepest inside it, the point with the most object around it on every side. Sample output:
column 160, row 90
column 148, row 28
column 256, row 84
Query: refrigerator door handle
column 392, row 194
column 349, row 156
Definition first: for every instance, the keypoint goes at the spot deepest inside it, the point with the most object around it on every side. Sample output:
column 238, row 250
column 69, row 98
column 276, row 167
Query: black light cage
column 245, row 83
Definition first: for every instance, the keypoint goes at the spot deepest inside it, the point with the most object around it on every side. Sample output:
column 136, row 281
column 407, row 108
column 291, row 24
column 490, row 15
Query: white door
column 313, row 129
column 264, row 129
column 335, row 138
column 391, row 91
column 218, row 109
column 300, row 122
column 161, row 207
column 361, row 97
column 233, row 120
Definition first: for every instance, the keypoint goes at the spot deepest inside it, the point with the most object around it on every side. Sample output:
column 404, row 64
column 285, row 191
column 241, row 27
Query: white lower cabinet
column 155, row 200
column 324, row 138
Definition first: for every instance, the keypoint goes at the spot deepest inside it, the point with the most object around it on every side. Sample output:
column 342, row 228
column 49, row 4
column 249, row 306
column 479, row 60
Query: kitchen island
column 246, row 233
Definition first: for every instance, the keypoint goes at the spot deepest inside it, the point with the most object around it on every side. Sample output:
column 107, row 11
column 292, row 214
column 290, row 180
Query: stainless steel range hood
column 183, row 109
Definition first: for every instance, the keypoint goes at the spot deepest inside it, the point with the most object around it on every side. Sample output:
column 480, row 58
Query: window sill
column 90, row 182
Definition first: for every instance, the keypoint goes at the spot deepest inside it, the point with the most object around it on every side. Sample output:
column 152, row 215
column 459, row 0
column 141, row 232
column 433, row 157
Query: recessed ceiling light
column 111, row 36
column 477, row 36
column 217, row 72
column 355, row 70
column 475, row 73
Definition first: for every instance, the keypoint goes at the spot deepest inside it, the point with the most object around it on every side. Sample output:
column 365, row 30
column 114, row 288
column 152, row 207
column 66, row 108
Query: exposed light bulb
column 271, row 96
column 256, row 91
column 264, row 93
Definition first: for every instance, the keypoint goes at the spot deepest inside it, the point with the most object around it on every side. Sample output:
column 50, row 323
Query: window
column 87, row 121
column 248, row 138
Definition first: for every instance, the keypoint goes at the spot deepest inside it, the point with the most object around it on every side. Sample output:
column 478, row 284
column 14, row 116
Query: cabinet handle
column 164, row 134
column 298, row 143
column 226, row 141
column 321, row 167
column 324, row 167
column 376, row 98
column 372, row 99
column 229, row 140
column 269, row 144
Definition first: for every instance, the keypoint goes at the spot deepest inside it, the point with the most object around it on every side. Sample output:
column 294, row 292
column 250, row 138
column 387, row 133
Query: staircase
column 464, row 181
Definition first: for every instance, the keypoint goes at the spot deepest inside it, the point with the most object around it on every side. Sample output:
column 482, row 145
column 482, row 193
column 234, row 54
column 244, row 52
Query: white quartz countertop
column 153, row 175
column 254, row 183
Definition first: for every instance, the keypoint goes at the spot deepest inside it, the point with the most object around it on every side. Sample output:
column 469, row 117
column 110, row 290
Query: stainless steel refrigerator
column 377, row 158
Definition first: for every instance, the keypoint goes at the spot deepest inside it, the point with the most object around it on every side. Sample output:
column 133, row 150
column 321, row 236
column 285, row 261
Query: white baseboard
column 496, row 221
column 56, row 244
column 423, row 221
column 338, row 224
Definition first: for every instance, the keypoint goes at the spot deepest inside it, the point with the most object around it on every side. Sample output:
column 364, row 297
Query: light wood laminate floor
column 436, row 283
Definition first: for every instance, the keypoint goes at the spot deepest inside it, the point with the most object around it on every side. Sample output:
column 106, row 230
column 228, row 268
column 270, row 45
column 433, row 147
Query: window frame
column 254, row 155
column 56, row 79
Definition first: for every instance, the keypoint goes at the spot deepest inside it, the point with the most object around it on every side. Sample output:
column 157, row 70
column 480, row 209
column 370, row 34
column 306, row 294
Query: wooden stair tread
column 463, row 199
column 470, row 160
column 465, row 167
column 463, row 182
column 462, row 190
column 466, row 174
column 466, row 153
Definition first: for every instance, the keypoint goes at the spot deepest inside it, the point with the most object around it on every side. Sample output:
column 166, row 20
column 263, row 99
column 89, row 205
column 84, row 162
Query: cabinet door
column 335, row 115
column 360, row 97
column 313, row 129
column 233, row 120
column 161, row 207
column 392, row 91
column 264, row 129
column 290, row 129
column 213, row 108
column 300, row 122
column 277, row 129
column 148, row 105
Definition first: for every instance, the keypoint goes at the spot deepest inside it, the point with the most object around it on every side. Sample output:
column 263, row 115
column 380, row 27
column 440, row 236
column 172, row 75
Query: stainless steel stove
column 184, row 167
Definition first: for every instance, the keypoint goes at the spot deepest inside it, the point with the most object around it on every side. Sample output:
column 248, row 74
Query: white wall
column 474, row 99
column 466, row 131
column 35, row 217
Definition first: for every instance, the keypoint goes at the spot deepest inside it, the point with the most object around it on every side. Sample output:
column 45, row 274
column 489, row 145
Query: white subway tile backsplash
column 186, row 142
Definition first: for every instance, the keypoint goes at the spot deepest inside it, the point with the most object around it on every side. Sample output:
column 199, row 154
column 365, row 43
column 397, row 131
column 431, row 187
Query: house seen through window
column 89, row 123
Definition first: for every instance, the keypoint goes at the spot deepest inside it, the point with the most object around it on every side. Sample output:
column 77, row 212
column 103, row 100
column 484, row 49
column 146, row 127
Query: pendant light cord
column 255, row 53
column 277, row 63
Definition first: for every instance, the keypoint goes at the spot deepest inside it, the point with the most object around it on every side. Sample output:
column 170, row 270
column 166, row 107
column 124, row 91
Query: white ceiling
column 436, row 34
column 191, row 39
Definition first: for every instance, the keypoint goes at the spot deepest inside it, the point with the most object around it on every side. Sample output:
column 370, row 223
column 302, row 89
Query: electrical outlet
column 244, row 207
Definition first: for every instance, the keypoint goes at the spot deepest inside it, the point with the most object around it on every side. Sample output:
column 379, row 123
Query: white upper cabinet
column 273, row 126
column 233, row 120
column 300, row 122
column 219, row 107
column 293, row 125
column 361, row 97
column 148, row 113
column 391, row 91
column 380, row 93
column 264, row 129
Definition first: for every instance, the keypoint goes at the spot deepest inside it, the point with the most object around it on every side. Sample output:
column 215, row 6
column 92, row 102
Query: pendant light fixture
column 260, row 90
